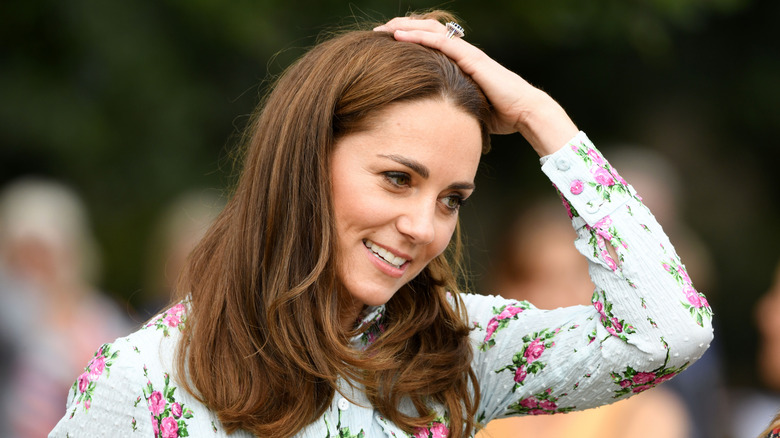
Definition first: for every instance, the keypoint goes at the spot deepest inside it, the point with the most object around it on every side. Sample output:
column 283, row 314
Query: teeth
column 385, row 254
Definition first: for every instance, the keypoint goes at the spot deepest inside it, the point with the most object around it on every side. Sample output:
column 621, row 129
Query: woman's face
column 397, row 187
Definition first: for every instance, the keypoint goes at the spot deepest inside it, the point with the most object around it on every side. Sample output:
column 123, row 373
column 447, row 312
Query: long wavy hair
column 265, row 344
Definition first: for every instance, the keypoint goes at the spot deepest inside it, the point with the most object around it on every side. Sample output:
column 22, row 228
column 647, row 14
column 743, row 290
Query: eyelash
column 392, row 177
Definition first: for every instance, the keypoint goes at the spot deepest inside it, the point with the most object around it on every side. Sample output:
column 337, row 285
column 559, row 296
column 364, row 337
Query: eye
column 398, row 179
column 453, row 202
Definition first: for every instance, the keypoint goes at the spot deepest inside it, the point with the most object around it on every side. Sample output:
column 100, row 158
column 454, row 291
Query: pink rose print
column 437, row 429
column 520, row 375
column 504, row 315
column 176, row 410
column 614, row 326
column 609, row 260
column 576, row 187
column 571, row 212
column 440, row 430
column 509, row 312
column 84, row 386
column 596, row 157
column 543, row 403
column 169, row 428
column 534, row 350
column 156, row 403
column 172, row 321
column 642, row 378
column 602, row 176
column 83, row 381
column 373, row 328
column 603, row 173
column 664, row 378
column 632, row 381
column 617, row 176
column 693, row 296
column 527, row 361
column 601, row 233
column 491, row 328
column 696, row 303
column 168, row 416
column 638, row 389
column 96, row 367
column 684, row 275
column 174, row 317
column 529, row 402
column 604, row 223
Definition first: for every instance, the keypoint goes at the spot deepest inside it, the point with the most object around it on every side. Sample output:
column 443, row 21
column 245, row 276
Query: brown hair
column 264, row 344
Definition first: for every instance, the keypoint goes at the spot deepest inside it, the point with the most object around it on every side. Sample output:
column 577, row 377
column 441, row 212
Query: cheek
column 444, row 235
column 356, row 211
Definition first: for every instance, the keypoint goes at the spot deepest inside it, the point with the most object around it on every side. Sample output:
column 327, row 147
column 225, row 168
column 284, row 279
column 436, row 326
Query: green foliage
column 135, row 102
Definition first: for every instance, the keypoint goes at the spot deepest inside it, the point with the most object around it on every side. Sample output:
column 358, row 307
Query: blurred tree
column 135, row 102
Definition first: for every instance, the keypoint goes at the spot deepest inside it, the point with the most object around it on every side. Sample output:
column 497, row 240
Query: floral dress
column 646, row 324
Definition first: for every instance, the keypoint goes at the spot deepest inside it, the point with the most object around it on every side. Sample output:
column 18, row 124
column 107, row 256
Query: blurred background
column 135, row 110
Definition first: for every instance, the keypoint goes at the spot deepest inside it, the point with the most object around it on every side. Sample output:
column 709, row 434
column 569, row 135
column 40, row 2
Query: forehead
column 423, row 129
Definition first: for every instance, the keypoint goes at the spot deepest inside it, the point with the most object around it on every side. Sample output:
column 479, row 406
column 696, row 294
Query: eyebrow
column 423, row 171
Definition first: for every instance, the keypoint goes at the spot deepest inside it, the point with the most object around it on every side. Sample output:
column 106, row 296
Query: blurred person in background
column 703, row 390
column 753, row 408
column 179, row 228
column 537, row 262
column 52, row 315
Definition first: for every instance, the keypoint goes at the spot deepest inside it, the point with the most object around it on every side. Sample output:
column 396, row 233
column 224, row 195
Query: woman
column 324, row 301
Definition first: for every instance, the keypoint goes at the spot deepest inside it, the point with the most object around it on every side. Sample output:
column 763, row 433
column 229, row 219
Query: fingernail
column 380, row 28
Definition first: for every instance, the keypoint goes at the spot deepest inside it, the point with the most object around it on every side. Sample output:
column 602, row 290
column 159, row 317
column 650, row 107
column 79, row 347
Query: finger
column 409, row 24
column 457, row 49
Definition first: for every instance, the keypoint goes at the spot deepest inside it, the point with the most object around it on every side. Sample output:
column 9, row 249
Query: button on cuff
column 563, row 164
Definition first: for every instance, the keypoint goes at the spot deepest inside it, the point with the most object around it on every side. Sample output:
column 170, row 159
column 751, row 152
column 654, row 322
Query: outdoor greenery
column 135, row 102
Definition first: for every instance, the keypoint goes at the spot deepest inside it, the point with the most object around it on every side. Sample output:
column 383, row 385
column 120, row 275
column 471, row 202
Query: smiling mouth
column 385, row 255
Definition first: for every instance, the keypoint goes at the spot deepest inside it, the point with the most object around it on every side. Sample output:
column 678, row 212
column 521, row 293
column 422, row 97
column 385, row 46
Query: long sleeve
column 646, row 323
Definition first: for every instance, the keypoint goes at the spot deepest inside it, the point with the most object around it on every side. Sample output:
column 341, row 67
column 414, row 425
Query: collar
column 369, row 326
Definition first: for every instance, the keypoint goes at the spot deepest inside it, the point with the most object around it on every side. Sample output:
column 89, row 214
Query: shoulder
column 129, row 379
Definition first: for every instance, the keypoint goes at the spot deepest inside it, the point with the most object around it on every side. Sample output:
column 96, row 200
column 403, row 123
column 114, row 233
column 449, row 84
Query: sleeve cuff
column 582, row 175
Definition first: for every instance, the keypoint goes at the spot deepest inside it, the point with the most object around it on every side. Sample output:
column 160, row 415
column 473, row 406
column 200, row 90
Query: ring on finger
column 454, row 30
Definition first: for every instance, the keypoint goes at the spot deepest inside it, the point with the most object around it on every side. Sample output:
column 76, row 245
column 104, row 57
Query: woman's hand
column 517, row 105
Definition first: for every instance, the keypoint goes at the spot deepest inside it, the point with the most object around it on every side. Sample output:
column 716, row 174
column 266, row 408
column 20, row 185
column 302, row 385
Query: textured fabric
column 646, row 324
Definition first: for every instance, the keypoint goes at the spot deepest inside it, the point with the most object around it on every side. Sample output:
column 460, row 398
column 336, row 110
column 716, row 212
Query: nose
column 417, row 223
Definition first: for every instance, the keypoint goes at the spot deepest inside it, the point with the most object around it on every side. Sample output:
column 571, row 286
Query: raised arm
column 646, row 323
column 518, row 106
